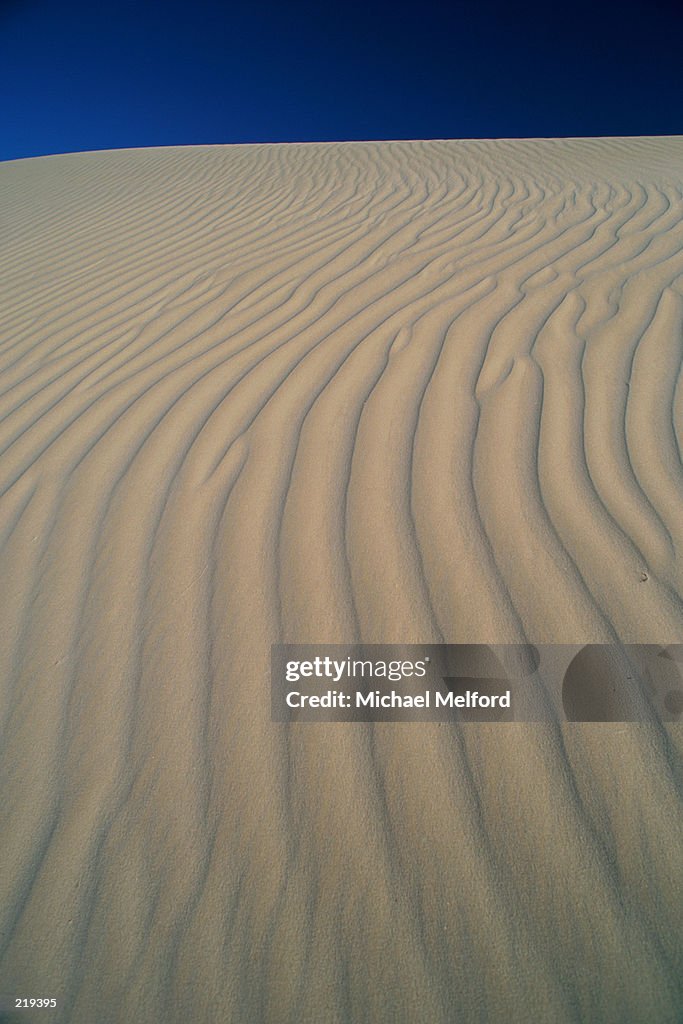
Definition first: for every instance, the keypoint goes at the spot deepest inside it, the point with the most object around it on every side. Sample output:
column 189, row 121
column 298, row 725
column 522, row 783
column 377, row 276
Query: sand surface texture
column 397, row 392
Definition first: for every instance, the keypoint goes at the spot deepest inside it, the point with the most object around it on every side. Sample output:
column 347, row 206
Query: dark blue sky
column 79, row 76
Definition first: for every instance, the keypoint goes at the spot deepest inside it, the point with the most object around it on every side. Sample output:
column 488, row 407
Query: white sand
column 382, row 391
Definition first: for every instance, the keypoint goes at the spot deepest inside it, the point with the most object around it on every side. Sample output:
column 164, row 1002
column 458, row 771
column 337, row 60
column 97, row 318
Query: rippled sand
column 391, row 392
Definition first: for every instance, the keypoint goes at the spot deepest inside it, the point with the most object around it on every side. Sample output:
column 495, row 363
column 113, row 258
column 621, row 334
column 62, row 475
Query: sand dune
column 391, row 392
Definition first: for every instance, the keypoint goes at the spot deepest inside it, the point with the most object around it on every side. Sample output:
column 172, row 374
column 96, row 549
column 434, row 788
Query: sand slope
column 400, row 392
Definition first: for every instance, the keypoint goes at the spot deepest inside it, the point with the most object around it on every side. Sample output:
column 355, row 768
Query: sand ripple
column 397, row 392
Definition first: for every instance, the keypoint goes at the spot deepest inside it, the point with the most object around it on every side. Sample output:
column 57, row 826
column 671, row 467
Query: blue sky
column 79, row 76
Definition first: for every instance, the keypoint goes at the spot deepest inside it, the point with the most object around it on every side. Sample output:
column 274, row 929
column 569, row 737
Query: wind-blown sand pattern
column 390, row 392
